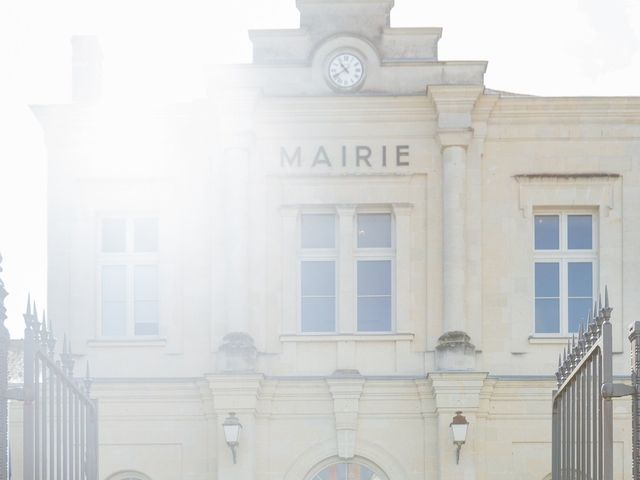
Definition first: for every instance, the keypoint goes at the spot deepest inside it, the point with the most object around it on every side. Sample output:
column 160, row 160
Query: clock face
column 345, row 71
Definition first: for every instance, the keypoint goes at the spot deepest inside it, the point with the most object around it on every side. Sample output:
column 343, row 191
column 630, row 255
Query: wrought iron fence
column 60, row 420
column 582, row 420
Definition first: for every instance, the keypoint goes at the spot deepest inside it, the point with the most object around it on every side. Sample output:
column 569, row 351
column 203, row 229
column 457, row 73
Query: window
column 373, row 255
column 347, row 471
column 374, row 284
column 318, row 273
column 565, row 262
column 129, row 300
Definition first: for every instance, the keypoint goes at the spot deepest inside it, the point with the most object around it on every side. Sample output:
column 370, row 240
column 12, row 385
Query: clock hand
column 344, row 69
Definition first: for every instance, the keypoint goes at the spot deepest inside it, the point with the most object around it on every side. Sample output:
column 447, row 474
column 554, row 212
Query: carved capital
column 455, row 137
column 454, row 104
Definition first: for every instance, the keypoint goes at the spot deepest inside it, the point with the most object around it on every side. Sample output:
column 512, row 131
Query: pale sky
column 156, row 50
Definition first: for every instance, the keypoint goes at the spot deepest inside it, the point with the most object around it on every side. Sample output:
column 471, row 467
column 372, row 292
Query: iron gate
column 60, row 420
column 582, row 417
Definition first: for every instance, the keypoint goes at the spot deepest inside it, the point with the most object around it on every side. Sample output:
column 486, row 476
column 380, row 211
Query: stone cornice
column 561, row 109
column 569, row 189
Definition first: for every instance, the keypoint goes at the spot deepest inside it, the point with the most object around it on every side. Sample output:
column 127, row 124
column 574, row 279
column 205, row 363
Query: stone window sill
column 549, row 340
column 105, row 342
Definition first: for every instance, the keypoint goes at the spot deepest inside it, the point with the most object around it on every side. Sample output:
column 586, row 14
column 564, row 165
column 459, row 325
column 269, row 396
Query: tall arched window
column 356, row 470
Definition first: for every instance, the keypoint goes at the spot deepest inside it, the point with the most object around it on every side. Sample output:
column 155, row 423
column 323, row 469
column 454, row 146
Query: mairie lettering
column 359, row 156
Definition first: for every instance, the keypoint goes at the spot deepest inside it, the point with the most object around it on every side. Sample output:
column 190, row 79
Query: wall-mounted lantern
column 232, row 427
column 459, row 426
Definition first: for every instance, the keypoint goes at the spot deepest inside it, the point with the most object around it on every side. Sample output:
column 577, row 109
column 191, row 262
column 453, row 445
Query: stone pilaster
column 238, row 394
column 454, row 106
column 234, row 157
column 452, row 392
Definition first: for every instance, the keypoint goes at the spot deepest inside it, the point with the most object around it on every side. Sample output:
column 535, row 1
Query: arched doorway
column 357, row 469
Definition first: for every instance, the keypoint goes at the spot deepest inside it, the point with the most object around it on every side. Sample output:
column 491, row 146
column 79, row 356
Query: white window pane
column 547, row 279
column 374, row 230
column 579, row 232
column 547, row 315
column 145, row 282
column 318, row 231
column 374, row 277
column 114, row 283
column 579, row 309
column 318, row 278
column 580, row 279
column 146, row 318
column 114, row 295
column 318, row 296
column 145, row 307
column 114, row 235
column 114, row 318
column 318, row 314
column 374, row 314
column 145, row 235
column 547, row 232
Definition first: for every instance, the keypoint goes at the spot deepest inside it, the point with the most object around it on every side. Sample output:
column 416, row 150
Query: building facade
column 347, row 242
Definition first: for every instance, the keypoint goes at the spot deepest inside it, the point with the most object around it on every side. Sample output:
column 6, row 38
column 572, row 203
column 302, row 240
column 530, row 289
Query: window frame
column 375, row 254
column 345, row 256
column 563, row 256
column 319, row 254
column 129, row 259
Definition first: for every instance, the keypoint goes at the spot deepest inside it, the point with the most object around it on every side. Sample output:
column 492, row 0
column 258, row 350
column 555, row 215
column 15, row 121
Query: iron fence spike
column 599, row 300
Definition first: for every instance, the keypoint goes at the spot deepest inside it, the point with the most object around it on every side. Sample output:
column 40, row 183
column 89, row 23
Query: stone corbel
column 346, row 392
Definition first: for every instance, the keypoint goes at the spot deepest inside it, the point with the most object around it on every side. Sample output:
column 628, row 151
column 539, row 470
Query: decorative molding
column 566, row 190
column 454, row 104
column 346, row 391
column 455, row 137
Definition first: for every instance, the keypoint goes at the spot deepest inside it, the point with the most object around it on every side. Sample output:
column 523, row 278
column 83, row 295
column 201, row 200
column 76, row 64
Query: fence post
column 5, row 342
column 634, row 338
column 28, row 441
column 607, row 379
column 555, row 437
